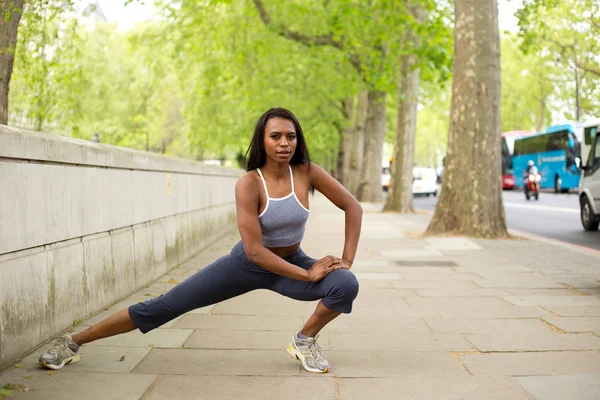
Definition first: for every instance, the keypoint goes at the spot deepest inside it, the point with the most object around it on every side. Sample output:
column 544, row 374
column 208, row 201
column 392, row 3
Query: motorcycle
column 532, row 184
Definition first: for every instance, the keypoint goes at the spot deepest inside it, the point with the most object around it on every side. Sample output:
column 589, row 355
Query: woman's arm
column 246, row 201
column 342, row 198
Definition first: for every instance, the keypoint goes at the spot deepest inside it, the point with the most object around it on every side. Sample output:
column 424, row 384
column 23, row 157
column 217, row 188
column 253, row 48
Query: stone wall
column 83, row 225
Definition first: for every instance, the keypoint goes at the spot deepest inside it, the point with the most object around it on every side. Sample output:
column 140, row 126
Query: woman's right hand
column 324, row 266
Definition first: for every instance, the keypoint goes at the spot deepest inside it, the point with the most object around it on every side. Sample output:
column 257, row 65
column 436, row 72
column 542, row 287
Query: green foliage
column 194, row 82
column 566, row 33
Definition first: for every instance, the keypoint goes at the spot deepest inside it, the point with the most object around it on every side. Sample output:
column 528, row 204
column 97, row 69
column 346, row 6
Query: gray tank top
column 283, row 220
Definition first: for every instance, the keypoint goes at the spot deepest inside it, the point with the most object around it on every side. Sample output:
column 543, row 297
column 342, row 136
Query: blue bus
column 555, row 152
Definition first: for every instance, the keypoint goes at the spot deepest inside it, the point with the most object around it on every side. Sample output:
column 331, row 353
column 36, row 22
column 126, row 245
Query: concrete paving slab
column 465, row 302
column 376, row 284
column 547, row 301
column 264, row 302
column 565, row 387
column 358, row 263
column 251, row 340
column 520, row 281
column 68, row 385
column 452, row 243
column 383, row 364
column 240, row 322
column 393, row 342
column 377, row 276
column 578, row 281
column 418, row 387
column 462, row 292
column 219, row 362
column 575, row 324
column 189, row 387
column 543, row 292
column 532, row 363
column 434, row 284
column 376, row 325
column 106, row 359
column 575, row 311
column 414, row 253
column 392, row 311
column 490, row 312
column 538, row 342
column 492, row 326
column 438, row 276
column 593, row 292
column 171, row 338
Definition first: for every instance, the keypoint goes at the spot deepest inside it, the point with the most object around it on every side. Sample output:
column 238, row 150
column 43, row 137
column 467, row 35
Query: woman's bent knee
column 349, row 285
column 343, row 291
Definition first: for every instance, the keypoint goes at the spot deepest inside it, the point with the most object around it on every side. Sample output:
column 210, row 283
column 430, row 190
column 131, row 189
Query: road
column 555, row 216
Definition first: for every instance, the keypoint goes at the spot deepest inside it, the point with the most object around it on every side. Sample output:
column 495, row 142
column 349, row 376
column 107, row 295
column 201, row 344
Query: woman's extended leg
column 228, row 277
column 116, row 324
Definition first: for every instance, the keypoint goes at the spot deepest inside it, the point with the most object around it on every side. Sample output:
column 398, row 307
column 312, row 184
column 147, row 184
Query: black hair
column 256, row 155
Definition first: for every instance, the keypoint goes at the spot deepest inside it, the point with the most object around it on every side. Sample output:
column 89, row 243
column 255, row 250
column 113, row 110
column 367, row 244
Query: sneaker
column 308, row 352
column 65, row 351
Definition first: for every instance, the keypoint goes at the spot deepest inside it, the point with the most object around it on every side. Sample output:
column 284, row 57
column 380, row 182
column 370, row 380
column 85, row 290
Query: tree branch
column 317, row 40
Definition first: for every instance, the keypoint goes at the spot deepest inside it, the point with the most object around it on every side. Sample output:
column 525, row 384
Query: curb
column 537, row 238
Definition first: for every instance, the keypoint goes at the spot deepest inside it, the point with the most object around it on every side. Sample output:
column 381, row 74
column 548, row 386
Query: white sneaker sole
column 295, row 354
column 66, row 361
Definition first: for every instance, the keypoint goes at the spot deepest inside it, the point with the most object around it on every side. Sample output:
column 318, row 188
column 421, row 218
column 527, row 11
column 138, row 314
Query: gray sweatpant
column 233, row 275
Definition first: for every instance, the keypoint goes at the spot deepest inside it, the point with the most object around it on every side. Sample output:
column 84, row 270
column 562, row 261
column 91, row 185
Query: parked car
column 424, row 181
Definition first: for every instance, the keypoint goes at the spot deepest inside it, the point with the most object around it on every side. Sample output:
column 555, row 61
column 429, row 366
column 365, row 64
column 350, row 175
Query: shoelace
column 61, row 345
column 315, row 350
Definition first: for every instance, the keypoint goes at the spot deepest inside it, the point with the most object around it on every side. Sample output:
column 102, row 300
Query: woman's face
column 280, row 140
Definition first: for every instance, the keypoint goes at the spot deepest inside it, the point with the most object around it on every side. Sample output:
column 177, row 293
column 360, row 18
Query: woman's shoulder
column 302, row 168
column 248, row 182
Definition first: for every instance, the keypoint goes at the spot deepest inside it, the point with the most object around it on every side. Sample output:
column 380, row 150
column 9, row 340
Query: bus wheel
column 557, row 184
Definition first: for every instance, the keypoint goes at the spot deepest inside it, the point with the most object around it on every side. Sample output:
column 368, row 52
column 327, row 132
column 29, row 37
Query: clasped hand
column 324, row 266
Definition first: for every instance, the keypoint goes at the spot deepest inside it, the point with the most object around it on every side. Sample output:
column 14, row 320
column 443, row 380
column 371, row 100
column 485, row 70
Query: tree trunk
column 471, row 198
column 369, row 188
column 343, row 159
column 11, row 11
column 540, row 122
column 400, row 196
column 358, row 143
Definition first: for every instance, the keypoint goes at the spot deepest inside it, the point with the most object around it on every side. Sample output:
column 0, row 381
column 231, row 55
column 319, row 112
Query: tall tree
column 12, row 10
column 358, row 142
column 400, row 196
column 362, row 33
column 471, row 198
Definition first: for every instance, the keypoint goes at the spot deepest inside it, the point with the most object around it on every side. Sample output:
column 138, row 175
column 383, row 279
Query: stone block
column 565, row 387
column 538, row 342
column 416, row 387
column 394, row 342
column 240, row 322
column 218, row 363
column 532, row 363
column 188, row 387
column 102, row 279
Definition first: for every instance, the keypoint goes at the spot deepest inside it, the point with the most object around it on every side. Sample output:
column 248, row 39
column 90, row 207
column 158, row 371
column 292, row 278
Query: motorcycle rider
column 529, row 170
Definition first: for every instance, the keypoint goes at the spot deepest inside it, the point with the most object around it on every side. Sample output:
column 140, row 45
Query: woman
column 272, row 209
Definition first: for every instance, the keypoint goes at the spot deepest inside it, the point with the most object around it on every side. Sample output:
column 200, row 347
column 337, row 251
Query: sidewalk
column 443, row 318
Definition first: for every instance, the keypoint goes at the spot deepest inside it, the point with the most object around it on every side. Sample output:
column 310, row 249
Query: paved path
column 443, row 318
